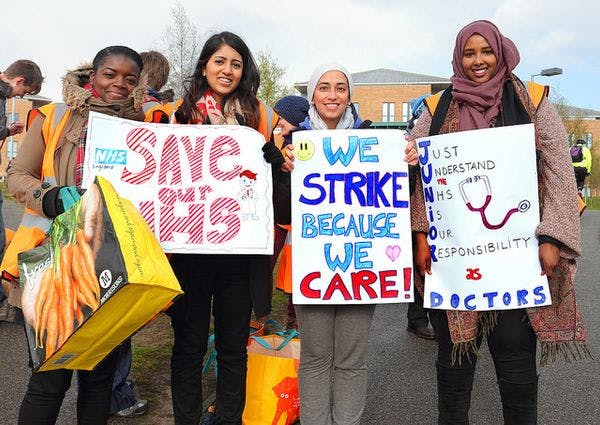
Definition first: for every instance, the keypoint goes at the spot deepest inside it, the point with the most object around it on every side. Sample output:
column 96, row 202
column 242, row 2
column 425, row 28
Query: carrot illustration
column 89, row 262
column 85, row 285
column 45, row 286
column 66, row 282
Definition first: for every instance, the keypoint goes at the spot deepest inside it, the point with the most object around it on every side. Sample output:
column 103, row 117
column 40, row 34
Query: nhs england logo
column 110, row 156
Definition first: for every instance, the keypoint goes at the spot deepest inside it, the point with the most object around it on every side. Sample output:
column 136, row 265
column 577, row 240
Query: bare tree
column 271, row 74
column 180, row 44
column 572, row 118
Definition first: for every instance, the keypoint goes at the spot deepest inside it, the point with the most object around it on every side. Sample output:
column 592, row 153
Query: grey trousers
column 332, row 378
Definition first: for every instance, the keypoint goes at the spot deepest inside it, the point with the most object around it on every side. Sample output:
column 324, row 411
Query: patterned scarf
column 558, row 327
column 209, row 111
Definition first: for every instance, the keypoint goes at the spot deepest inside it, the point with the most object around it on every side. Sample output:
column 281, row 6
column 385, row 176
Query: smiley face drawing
column 305, row 149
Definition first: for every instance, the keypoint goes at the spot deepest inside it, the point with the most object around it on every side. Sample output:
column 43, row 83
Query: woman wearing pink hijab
column 484, row 94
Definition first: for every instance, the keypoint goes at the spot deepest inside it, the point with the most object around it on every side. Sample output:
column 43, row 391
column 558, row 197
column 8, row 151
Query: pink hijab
column 479, row 103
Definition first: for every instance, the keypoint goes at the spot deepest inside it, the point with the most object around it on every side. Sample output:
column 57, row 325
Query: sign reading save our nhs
column 481, row 197
column 351, row 238
column 201, row 188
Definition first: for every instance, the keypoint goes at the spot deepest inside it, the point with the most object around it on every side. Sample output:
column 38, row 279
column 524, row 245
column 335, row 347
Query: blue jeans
column 122, row 395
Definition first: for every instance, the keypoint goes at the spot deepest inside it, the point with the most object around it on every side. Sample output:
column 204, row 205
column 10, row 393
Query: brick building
column 17, row 109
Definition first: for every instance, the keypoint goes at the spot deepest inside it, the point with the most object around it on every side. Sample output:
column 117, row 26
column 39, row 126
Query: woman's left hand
column 549, row 256
column 411, row 154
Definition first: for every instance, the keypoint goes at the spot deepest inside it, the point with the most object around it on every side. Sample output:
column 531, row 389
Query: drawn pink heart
column 393, row 252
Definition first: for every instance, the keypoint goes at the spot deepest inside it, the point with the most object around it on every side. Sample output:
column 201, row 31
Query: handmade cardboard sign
column 202, row 189
column 351, row 239
column 481, row 198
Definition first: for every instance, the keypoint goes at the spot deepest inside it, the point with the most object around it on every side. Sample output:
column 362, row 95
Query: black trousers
column 46, row 391
column 222, row 280
column 416, row 313
column 512, row 344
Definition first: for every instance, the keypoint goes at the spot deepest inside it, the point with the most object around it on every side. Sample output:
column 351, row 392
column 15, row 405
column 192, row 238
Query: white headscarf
column 316, row 122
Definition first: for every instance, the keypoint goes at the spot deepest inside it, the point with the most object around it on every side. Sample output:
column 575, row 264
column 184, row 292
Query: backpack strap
column 438, row 105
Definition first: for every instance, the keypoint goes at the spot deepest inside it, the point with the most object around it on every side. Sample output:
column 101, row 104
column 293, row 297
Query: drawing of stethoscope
column 522, row 207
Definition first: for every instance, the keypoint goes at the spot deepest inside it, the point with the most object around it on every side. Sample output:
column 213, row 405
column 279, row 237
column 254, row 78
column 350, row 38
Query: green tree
column 272, row 86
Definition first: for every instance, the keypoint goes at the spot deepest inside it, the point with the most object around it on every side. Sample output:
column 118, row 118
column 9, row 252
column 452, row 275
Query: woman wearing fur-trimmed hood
column 111, row 86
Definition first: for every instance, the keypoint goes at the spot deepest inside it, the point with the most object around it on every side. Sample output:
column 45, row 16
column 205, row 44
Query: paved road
column 402, row 386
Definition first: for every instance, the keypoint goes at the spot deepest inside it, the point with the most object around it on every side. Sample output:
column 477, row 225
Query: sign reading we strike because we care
column 202, row 189
column 351, row 238
column 481, row 199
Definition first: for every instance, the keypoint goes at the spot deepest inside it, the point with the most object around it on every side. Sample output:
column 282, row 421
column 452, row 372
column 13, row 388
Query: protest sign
column 481, row 199
column 351, row 238
column 202, row 189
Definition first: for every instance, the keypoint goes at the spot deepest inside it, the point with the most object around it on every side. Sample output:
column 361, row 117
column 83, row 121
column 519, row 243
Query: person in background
column 222, row 90
column 20, row 78
column 582, row 162
column 292, row 111
column 39, row 179
column 332, row 377
column 485, row 94
column 156, row 74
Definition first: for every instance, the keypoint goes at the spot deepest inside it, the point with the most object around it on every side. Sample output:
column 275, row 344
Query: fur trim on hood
column 77, row 97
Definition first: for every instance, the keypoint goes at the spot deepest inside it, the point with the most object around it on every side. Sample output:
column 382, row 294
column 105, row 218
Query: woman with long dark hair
column 222, row 90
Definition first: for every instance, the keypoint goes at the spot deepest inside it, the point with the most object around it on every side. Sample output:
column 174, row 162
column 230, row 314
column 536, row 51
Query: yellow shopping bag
column 82, row 298
column 272, row 380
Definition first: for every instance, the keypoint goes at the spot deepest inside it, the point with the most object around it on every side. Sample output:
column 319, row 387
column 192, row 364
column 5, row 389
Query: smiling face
column 479, row 61
column 331, row 97
column 223, row 72
column 115, row 78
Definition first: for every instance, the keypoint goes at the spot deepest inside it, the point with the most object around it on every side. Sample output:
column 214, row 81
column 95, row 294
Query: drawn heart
column 393, row 252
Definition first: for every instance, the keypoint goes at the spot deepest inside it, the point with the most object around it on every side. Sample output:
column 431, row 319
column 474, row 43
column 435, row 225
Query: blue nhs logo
column 110, row 156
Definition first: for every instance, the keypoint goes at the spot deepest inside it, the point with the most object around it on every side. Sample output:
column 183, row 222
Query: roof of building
column 573, row 111
column 388, row 77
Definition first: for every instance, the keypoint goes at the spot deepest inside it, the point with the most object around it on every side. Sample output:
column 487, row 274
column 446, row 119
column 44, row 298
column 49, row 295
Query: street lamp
column 548, row 72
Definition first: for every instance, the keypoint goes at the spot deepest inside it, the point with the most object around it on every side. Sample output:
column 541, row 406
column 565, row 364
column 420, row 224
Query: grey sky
column 415, row 36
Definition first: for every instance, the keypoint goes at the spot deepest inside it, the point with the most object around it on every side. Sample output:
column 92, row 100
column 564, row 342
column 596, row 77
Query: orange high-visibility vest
column 537, row 92
column 156, row 112
column 284, row 273
column 34, row 227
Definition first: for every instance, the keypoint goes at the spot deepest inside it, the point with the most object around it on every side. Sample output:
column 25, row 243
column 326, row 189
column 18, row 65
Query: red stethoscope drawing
column 522, row 207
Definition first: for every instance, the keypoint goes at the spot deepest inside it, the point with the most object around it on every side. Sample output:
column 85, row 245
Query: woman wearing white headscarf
column 333, row 373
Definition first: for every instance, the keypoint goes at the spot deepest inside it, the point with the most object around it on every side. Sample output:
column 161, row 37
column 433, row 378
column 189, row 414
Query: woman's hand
column 422, row 254
column 411, row 154
column 288, row 158
column 549, row 256
column 91, row 209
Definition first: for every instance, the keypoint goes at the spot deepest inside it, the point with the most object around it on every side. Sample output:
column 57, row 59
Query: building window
column 405, row 111
column 388, row 112
column 11, row 148
column 10, row 118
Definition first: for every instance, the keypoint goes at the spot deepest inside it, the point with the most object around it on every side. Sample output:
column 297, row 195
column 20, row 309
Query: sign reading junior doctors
column 481, row 197
column 351, row 238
